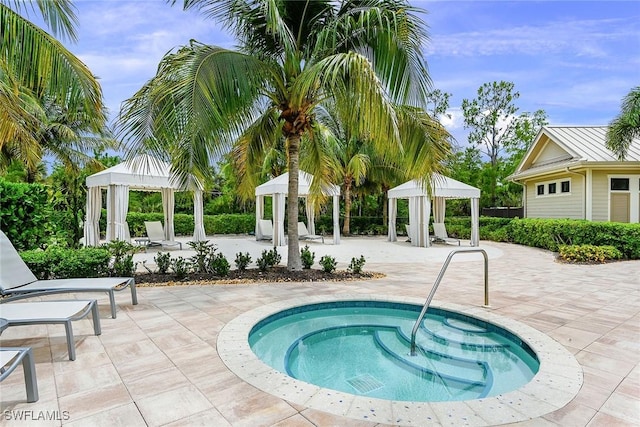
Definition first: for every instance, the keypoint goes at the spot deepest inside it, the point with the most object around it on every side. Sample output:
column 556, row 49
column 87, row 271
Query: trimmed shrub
column 242, row 260
column 328, row 263
column 588, row 253
column 219, row 265
column 183, row 223
column 356, row 265
column 268, row 259
column 551, row 233
column 163, row 262
column 60, row 263
column 307, row 257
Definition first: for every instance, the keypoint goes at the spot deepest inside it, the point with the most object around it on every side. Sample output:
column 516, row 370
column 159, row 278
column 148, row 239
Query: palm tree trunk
column 294, row 263
column 346, row 227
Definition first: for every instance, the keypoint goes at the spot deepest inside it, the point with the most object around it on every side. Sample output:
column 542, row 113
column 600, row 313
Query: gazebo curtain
column 419, row 213
column 279, row 207
column 259, row 216
column 311, row 216
column 198, row 217
column 92, row 223
column 117, row 207
column 168, row 205
column 439, row 209
column 336, row 220
column 393, row 213
column 475, row 220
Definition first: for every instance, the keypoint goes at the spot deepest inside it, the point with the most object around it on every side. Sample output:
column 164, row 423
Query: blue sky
column 574, row 59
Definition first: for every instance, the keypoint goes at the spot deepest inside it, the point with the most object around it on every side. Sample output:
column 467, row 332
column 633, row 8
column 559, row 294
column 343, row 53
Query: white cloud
column 582, row 38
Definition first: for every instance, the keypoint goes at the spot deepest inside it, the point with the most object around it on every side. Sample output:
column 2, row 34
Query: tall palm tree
column 35, row 69
column 626, row 126
column 292, row 56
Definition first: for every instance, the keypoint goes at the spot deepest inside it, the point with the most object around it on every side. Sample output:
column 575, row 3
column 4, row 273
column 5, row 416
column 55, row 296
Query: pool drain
column 365, row 383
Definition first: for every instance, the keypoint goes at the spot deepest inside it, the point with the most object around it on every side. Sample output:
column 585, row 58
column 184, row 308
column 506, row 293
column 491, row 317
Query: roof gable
column 561, row 145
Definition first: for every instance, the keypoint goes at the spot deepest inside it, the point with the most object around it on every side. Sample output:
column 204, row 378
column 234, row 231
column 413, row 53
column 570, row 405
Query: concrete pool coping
column 557, row 382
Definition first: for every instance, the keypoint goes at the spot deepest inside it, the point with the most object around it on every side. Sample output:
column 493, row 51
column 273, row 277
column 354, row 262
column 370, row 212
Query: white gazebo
column 143, row 173
column 278, row 188
column 442, row 188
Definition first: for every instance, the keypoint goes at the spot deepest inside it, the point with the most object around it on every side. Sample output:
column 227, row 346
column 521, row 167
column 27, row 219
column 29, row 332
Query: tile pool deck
column 158, row 362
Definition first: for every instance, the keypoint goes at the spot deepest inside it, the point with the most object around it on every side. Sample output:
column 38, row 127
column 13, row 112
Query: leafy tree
column 626, row 126
column 438, row 103
column 36, row 73
column 496, row 127
column 293, row 56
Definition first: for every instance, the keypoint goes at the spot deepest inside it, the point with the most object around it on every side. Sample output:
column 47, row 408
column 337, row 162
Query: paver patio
column 157, row 364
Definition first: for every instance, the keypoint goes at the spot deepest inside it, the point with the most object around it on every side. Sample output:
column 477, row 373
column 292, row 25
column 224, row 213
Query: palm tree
column 293, row 56
column 624, row 128
column 36, row 70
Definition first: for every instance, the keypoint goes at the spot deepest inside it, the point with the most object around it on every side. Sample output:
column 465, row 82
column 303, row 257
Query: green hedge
column 551, row 233
column 183, row 223
column 59, row 263
column 25, row 214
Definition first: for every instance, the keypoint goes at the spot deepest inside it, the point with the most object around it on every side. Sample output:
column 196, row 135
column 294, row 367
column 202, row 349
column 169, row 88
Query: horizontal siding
column 559, row 206
column 600, row 196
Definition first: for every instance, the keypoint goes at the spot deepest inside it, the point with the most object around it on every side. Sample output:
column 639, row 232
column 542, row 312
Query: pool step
column 456, row 331
column 456, row 373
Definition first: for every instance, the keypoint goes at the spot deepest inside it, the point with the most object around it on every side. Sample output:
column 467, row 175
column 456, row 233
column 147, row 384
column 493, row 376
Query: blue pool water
column 363, row 347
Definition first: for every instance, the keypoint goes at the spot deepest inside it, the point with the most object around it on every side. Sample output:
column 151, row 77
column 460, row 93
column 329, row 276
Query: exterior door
column 620, row 207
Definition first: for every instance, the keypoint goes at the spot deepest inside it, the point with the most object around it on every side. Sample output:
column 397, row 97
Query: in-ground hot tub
column 350, row 357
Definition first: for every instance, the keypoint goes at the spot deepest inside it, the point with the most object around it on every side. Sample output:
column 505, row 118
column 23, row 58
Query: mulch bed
column 253, row 275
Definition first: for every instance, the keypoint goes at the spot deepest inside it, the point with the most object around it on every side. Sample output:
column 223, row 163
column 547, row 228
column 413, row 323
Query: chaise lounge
column 303, row 233
column 18, row 282
column 52, row 313
column 10, row 358
column 440, row 234
column 155, row 233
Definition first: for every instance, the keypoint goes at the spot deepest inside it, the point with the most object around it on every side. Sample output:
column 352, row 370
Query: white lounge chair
column 18, row 282
column 10, row 358
column 303, row 233
column 52, row 312
column 155, row 233
column 266, row 229
column 440, row 234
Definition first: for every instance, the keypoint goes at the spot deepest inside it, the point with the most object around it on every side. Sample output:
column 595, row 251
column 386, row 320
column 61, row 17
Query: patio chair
column 52, row 312
column 155, row 233
column 10, row 358
column 303, row 233
column 266, row 229
column 440, row 234
column 407, row 229
column 18, row 282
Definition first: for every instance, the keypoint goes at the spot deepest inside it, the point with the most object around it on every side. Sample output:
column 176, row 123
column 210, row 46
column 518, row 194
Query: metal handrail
column 437, row 283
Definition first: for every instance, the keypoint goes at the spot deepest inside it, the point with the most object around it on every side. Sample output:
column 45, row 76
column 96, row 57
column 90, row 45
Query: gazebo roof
column 142, row 173
column 280, row 185
column 442, row 186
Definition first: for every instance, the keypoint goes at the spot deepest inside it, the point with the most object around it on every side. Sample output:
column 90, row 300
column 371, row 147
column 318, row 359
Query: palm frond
column 391, row 35
column 626, row 126
column 426, row 144
column 252, row 149
column 351, row 76
column 59, row 15
column 201, row 98
column 42, row 64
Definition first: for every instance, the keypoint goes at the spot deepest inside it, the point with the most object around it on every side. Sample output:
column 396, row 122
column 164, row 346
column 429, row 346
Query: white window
column 560, row 187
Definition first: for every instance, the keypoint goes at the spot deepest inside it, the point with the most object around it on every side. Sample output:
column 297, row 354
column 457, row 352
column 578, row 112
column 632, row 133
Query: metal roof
column 589, row 143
